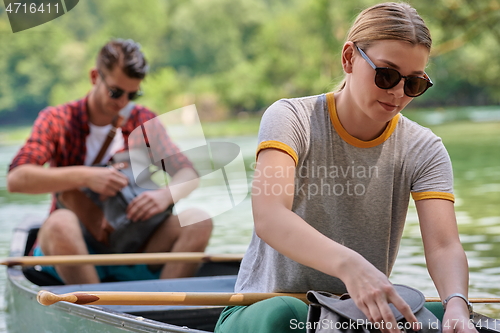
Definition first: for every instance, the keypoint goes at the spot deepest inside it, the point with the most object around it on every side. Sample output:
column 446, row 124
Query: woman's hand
column 372, row 292
column 456, row 317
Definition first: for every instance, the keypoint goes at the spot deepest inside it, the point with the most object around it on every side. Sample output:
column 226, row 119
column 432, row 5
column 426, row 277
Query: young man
column 69, row 137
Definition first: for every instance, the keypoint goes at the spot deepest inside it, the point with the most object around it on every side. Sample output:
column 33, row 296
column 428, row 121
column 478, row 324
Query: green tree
column 229, row 56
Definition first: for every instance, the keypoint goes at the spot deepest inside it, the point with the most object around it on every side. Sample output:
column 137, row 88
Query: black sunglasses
column 387, row 78
column 117, row 92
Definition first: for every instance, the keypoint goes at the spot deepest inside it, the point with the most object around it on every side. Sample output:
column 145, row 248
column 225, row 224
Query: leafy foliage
column 229, row 56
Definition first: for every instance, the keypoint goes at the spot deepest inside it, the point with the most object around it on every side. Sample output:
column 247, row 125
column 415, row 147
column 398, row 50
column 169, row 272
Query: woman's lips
column 388, row 107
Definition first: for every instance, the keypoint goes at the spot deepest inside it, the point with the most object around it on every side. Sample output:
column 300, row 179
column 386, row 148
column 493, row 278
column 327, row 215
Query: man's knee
column 195, row 217
column 61, row 222
column 200, row 231
column 204, row 226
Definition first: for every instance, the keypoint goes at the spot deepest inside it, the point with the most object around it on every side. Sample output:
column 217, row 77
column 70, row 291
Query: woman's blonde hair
column 390, row 20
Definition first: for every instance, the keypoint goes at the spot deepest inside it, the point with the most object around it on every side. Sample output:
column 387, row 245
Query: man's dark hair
column 125, row 53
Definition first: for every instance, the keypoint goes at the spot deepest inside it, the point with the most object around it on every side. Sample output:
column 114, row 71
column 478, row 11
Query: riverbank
column 248, row 124
column 244, row 126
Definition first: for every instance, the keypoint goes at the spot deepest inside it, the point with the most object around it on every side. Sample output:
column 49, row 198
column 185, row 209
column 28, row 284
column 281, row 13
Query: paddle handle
column 472, row 300
column 159, row 298
column 47, row 298
column 121, row 259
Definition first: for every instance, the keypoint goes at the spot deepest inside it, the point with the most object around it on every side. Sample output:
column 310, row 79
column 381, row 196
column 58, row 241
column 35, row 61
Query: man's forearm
column 35, row 179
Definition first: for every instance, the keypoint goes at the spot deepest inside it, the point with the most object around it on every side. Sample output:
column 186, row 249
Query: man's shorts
column 109, row 273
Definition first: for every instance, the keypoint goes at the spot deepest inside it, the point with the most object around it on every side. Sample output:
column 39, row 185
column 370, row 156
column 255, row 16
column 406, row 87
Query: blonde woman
column 333, row 180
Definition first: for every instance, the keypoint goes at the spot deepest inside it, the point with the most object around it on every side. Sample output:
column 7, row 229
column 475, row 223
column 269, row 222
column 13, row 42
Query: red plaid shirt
column 59, row 137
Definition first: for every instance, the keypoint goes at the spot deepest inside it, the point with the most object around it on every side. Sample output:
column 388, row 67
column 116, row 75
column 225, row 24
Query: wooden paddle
column 158, row 298
column 121, row 259
column 181, row 298
column 472, row 300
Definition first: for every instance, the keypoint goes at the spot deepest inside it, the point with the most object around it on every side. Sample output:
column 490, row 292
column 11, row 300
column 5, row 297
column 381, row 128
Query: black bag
column 331, row 313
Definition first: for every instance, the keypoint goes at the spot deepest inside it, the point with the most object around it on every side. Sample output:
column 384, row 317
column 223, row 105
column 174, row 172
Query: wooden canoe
column 24, row 314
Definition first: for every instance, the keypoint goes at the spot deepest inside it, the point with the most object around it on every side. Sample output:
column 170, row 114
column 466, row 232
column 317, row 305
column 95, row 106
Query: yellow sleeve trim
column 280, row 146
column 432, row 195
column 332, row 110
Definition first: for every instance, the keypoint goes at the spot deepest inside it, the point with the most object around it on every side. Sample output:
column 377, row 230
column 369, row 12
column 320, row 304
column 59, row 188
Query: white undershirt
column 95, row 140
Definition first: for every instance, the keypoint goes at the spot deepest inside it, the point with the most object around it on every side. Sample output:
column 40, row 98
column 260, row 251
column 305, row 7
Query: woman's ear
column 347, row 57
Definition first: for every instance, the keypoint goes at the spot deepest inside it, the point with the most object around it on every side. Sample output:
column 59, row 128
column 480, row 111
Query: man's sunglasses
column 117, row 92
column 387, row 78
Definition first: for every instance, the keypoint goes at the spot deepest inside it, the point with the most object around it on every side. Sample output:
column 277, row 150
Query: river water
column 480, row 234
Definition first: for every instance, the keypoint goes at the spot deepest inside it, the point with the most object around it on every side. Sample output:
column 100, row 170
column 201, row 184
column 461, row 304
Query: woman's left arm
column 446, row 260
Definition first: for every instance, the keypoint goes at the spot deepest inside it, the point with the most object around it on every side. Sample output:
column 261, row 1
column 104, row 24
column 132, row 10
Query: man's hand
column 148, row 204
column 105, row 181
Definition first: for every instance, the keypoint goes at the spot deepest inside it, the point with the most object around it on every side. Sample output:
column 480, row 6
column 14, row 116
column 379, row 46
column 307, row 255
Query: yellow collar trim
column 330, row 101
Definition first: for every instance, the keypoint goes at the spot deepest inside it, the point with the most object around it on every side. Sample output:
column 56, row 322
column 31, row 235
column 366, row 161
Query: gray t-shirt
column 354, row 192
